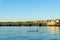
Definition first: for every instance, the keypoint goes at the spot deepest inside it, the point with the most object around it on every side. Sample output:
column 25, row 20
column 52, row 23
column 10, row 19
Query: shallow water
column 29, row 33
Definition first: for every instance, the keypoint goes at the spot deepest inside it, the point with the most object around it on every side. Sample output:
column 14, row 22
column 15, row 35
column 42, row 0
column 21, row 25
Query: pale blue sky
column 19, row 10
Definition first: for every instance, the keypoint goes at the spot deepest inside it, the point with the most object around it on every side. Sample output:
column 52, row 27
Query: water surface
column 30, row 33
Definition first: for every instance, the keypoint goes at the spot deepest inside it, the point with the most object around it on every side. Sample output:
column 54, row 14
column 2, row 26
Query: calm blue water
column 29, row 33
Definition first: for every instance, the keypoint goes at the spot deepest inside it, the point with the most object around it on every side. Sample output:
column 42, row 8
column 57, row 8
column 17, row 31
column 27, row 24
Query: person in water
column 33, row 30
column 37, row 30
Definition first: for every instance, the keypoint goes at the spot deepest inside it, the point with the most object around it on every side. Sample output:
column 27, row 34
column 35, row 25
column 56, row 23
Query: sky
column 22, row 10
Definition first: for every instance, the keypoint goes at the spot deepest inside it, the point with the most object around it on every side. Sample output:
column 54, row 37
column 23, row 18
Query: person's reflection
column 54, row 29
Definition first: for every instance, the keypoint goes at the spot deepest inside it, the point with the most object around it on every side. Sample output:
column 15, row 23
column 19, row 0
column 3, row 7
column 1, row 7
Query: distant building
column 54, row 22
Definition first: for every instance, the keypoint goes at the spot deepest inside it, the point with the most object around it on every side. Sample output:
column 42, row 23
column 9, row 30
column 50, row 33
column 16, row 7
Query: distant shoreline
column 55, row 22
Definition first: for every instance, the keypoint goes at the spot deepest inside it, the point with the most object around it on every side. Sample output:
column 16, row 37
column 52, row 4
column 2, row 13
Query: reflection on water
column 54, row 29
column 30, row 33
